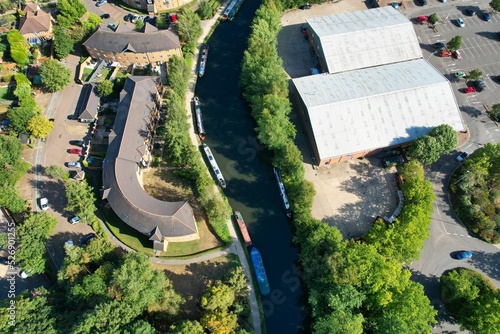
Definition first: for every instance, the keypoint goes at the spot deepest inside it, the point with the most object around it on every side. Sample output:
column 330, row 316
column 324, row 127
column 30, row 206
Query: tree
column 446, row 137
column 55, row 76
column 220, row 322
column 39, row 126
column 495, row 108
column 81, row 200
column 19, row 47
column 218, row 297
column 56, row 172
column 137, row 284
column 70, row 11
column 105, row 88
column 425, row 149
column 63, row 44
column 495, row 4
column 189, row 27
column 6, row 5
column 19, row 118
column 205, row 10
column 475, row 74
column 454, row 44
column 187, row 327
column 32, row 233
column 139, row 24
column 23, row 86
column 433, row 18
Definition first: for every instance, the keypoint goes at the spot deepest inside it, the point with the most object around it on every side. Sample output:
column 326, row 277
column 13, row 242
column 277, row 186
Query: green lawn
column 87, row 72
column 6, row 93
column 127, row 234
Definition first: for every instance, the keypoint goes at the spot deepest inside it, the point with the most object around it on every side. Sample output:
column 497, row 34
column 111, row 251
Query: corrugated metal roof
column 377, row 107
column 365, row 38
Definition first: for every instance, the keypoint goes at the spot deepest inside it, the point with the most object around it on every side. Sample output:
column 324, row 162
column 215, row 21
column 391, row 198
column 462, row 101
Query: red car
column 422, row 19
column 75, row 151
column 470, row 90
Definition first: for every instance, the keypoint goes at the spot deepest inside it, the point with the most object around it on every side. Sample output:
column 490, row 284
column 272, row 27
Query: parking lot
column 350, row 195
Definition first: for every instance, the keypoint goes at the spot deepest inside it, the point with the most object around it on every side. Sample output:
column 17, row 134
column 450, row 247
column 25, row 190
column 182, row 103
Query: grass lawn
column 127, row 234
column 6, row 93
column 87, row 72
column 105, row 73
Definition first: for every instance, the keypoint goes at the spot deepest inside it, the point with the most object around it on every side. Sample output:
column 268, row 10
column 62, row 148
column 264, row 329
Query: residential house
column 36, row 25
column 90, row 105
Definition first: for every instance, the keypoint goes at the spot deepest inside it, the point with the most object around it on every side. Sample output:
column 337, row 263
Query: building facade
column 155, row 6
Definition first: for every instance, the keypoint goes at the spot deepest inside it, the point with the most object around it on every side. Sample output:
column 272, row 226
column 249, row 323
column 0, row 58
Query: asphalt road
column 480, row 50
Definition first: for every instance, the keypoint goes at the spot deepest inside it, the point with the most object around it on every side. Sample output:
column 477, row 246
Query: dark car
column 463, row 255
column 80, row 143
column 470, row 12
column 306, row 6
column 105, row 16
column 439, row 45
column 423, row 2
column 462, row 156
column 480, row 85
column 4, row 260
column 486, row 16
column 88, row 238
column 127, row 17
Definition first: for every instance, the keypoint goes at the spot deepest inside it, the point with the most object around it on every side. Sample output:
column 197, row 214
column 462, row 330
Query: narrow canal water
column 251, row 188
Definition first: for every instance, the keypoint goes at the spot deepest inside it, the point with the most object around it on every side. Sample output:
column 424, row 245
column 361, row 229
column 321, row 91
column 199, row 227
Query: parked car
column 105, row 16
column 75, row 151
column 480, row 85
column 422, row 19
column 463, row 255
column 462, row 156
column 457, row 55
column 394, row 160
column 134, row 18
column 100, row 3
column 469, row 90
column 88, row 238
column 470, row 12
column 459, row 75
column 460, row 22
column 394, row 5
column 445, row 53
column 313, row 70
column 439, row 45
column 486, row 16
column 74, row 164
column 74, row 220
column 44, row 203
column 4, row 260
column 127, row 17
column 113, row 27
column 80, row 143
column 306, row 6
column 423, row 2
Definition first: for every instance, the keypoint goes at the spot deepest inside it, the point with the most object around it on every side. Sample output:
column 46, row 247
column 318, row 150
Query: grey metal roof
column 365, row 38
column 121, row 185
column 377, row 107
column 148, row 40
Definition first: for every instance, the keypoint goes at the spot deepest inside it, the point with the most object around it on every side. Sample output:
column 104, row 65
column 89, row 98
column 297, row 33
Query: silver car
column 74, row 164
column 460, row 22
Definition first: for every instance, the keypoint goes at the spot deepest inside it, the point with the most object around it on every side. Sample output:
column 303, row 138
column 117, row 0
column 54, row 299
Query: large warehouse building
column 352, row 114
column 380, row 91
column 363, row 39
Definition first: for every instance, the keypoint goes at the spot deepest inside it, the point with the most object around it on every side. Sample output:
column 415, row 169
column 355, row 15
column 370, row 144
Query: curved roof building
column 128, row 154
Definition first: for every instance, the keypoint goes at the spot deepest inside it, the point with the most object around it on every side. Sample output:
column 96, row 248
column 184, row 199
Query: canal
column 251, row 188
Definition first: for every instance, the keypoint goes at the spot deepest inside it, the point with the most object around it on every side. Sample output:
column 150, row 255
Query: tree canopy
column 189, row 27
column 474, row 74
column 455, row 43
column 39, row 126
column 472, row 300
column 81, row 200
column 427, row 149
column 55, row 76
column 19, row 47
column 105, row 88
column 495, row 4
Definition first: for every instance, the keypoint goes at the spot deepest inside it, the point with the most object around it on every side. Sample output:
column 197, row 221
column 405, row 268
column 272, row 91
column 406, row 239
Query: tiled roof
column 121, row 185
column 90, row 103
column 34, row 22
column 148, row 40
